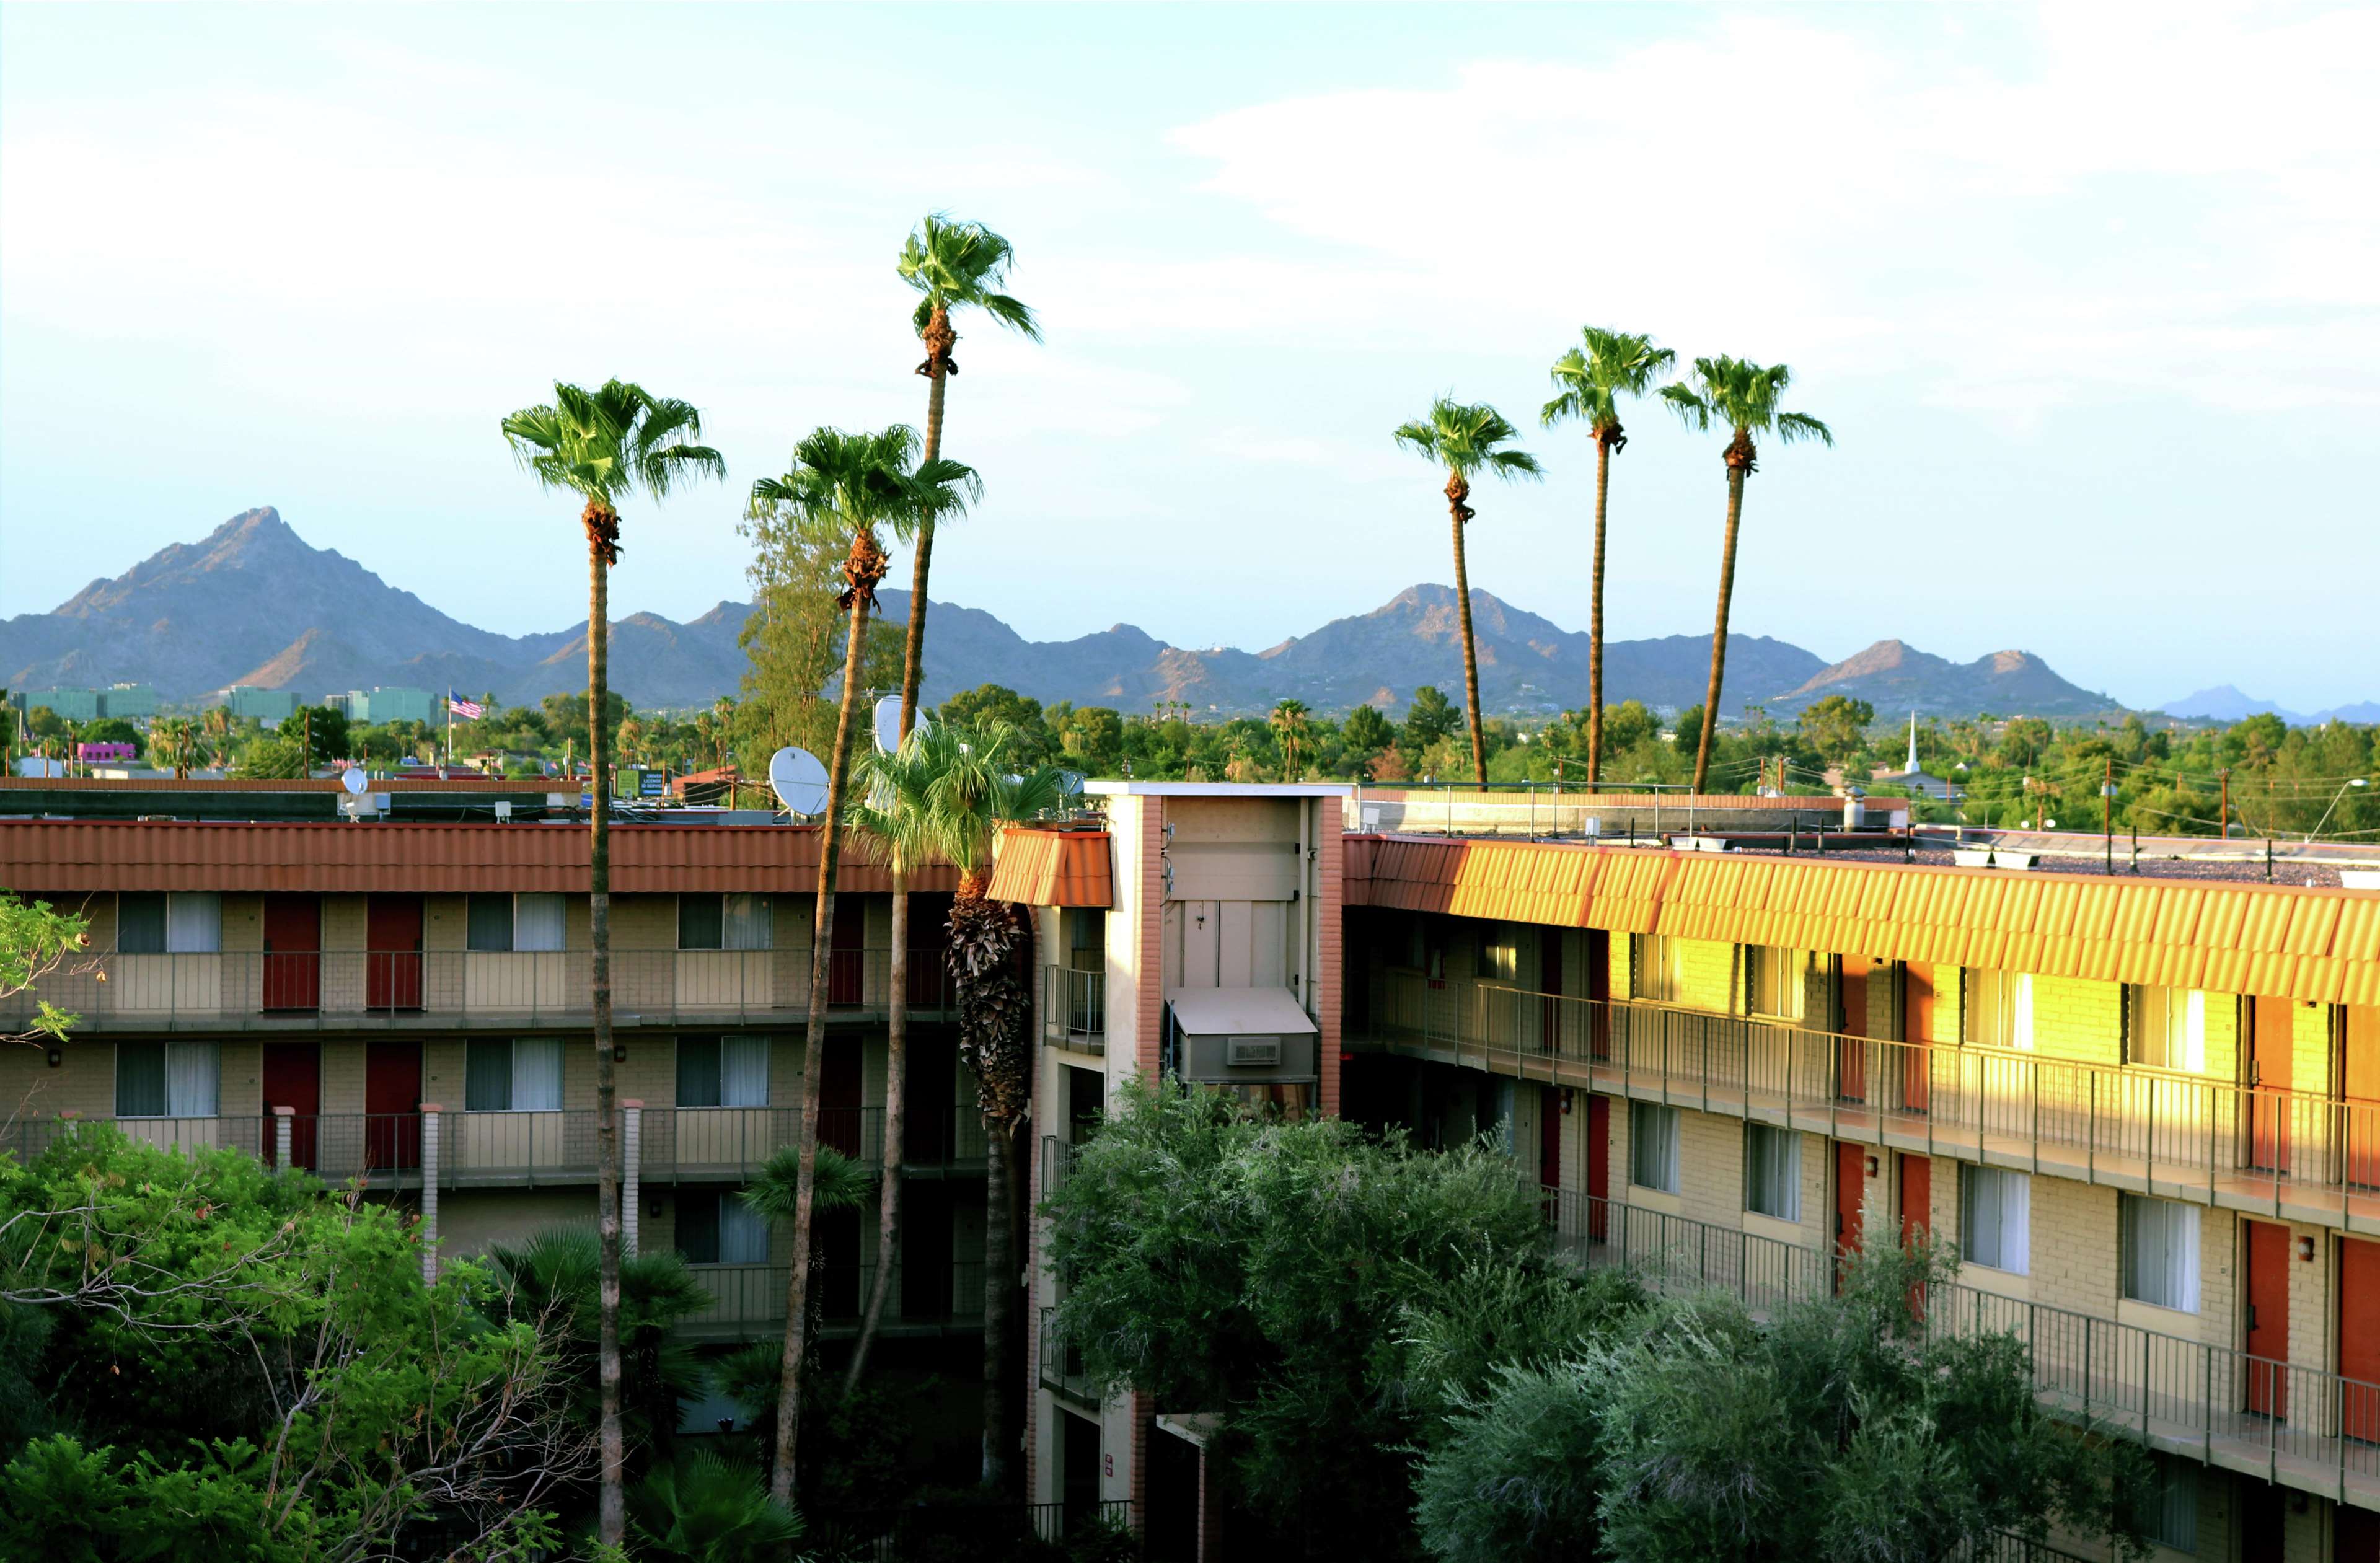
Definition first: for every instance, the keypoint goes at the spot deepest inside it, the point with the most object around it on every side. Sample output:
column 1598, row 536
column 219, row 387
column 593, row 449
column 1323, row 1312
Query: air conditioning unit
column 1259, row 1053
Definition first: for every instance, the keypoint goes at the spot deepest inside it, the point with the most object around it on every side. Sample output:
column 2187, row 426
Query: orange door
column 1917, row 1030
column 2268, row 1075
column 1850, row 1186
column 1851, row 1050
column 2359, row 1339
column 2362, row 1088
column 2268, row 1317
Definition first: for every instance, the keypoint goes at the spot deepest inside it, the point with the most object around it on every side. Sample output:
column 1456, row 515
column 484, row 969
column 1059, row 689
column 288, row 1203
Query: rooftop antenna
column 799, row 780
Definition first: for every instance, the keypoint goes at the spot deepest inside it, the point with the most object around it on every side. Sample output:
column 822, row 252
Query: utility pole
column 2223, row 824
column 306, row 732
column 2107, row 810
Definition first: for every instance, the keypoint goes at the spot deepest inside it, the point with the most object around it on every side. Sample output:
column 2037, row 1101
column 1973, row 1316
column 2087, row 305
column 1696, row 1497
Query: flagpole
column 450, row 727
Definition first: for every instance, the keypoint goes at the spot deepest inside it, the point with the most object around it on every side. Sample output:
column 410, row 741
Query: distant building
column 267, row 706
column 133, row 702
column 383, row 703
column 1924, row 784
column 68, row 705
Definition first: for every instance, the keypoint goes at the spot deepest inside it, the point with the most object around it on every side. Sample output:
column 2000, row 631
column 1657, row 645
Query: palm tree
column 977, row 787
column 843, row 487
column 1288, row 719
column 1588, row 383
column 605, row 445
column 1464, row 440
column 1740, row 396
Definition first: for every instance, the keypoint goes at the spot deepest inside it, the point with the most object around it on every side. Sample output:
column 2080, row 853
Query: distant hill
column 252, row 602
column 2226, row 704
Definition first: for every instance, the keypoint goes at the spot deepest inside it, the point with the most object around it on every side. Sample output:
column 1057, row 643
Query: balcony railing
column 2290, row 1424
column 1057, row 1164
column 1061, row 1364
column 384, row 1149
column 2297, row 1154
column 749, row 1299
column 345, row 989
column 1074, row 1009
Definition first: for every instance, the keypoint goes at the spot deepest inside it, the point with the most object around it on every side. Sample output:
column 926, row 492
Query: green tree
column 1093, row 741
column 37, row 942
column 846, row 487
column 1589, row 380
column 793, row 638
column 605, row 445
column 1631, row 725
column 1292, row 721
column 995, row 704
column 114, row 730
column 1366, row 732
column 712, row 1510
column 1740, row 396
column 1430, row 718
column 1465, row 440
column 1836, row 727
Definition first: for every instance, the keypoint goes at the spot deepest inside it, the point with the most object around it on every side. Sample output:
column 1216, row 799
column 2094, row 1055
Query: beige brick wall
column 2078, row 1020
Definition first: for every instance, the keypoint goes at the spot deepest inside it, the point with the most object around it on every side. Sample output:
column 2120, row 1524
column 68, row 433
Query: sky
column 2089, row 296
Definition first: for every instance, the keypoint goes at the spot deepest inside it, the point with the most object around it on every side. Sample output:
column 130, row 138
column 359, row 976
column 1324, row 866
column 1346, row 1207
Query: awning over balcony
column 1042, row 867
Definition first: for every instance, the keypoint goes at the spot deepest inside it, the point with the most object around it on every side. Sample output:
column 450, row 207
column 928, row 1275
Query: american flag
column 469, row 710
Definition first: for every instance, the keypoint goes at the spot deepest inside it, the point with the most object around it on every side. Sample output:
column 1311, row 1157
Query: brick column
column 281, row 1118
column 632, row 1125
column 430, row 1111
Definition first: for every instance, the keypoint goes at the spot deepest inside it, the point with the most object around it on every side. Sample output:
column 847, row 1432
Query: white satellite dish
column 1070, row 783
column 888, row 724
column 354, row 780
column 880, row 796
column 799, row 780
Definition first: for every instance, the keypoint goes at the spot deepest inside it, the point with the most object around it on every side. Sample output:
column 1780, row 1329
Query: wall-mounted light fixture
column 58, row 1057
column 2305, row 1249
column 619, row 1052
column 1872, row 1166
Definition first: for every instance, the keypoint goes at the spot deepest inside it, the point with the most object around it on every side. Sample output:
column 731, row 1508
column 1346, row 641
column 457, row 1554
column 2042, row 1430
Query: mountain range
column 253, row 603
column 2224, row 703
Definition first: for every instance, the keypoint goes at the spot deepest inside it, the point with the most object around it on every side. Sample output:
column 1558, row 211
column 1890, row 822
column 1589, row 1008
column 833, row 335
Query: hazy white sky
column 2091, row 297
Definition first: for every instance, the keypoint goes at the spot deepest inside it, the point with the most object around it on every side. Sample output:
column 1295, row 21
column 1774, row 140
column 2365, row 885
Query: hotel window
column 1652, row 1146
column 1656, row 966
column 498, row 922
column 521, row 1075
column 722, row 1071
column 2000, row 1008
column 167, row 1079
column 2160, row 1253
column 715, row 1227
column 2164, row 1027
column 1995, row 1219
column 711, row 921
column 2165, row 1509
column 182, row 923
column 1773, row 981
column 1772, row 1171
column 1500, row 953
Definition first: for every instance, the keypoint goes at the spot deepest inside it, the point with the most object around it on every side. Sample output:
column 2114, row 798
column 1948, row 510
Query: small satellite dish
column 888, row 724
column 799, row 780
column 880, row 796
column 354, row 780
column 1070, row 781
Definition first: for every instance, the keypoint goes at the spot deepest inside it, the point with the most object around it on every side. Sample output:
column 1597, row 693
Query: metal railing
column 345, row 989
column 2300, row 1155
column 2299, row 1425
column 384, row 1149
column 1057, row 1164
column 749, row 1299
column 1061, row 1363
column 1074, row 1009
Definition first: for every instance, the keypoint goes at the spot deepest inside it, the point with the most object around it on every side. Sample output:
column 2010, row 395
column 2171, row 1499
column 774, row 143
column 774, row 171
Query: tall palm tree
column 977, row 787
column 1464, row 440
column 604, row 445
column 843, row 487
column 1740, row 396
column 1589, row 380
column 1289, row 720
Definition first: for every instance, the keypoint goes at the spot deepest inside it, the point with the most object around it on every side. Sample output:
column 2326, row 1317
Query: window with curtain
column 1086, row 938
column 743, row 922
column 715, row 1227
column 1772, row 1171
column 1774, row 981
column 2000, row 1008
column 2165, row 1509
column 140, row 922
column 698, row 1071
column 536, row 921
column 701, row 921
column 1652, row 1146
column 194, row 923
column 1658, row 967
column 168, row 1079
column 2164, row 1027
column 521, row 1075
column 1499, row 952
column 1995, row 1219
column 2160, row 1253
column 722, row 1071
column 489, row 920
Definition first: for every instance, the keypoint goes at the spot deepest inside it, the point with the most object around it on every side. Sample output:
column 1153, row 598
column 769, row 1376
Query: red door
column 2263, row 1524
column 1851, row 1188
column 2269, row 1044
column 392, row 1105
column 392, row 952
column 1850, row 1048
column 839, row 1098
column 293, row 1079
column 1598, row 991
column 846, row 971
column 1917, row 1030
column 1916, row 1212
column 1549, row 1137
column 1599, row 1163
column 2362, row 1087
column 292, row 953
column 2268, row 1317
column 2355, row 1532
column 930, row 943
column 2359, row 1339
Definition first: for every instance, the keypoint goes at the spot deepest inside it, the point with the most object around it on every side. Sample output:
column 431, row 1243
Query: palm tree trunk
column 1456, row 492
column 1594, row 619
column 865, row 568
column 999, row 1286
column 1726, row 596
column 888, row 1200
column 602, row 533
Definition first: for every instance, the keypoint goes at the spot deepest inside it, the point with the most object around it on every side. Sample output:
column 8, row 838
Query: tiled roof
column 47, row 855
column 2321, row 945
column 1042, row 867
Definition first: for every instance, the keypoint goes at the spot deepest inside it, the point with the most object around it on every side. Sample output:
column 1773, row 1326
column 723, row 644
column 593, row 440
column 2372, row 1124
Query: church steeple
column 1912, row 742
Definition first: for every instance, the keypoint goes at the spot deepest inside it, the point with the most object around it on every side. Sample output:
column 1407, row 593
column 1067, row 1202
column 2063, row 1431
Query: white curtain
column 537, row 1075
column 745, row 923
column 744, row 1071
column 2193, row 1033
column 743, row 1232
column 2161, row 1252
column 536, row 922
column 1773, row 1160
column 1997, row 1218
column 194, row 923
column 1652, row 1146
column 193, row 1079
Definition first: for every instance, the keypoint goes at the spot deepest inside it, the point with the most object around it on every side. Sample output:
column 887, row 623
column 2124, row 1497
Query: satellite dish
column 880, row 796
column 1070, row 781
column 888, row 724
column 354, row 780
column 799, row 780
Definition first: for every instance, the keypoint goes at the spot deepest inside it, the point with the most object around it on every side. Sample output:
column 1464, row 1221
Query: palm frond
column 1419, row 438
column 1690, row 407
column 606, row 442
column 840, row 1183
column 1464, row 437
column 1792, row 427
column 962, row 265
column 1516, row 464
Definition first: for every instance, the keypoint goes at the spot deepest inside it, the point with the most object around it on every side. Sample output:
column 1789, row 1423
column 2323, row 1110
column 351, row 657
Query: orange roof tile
column 1042, row 867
